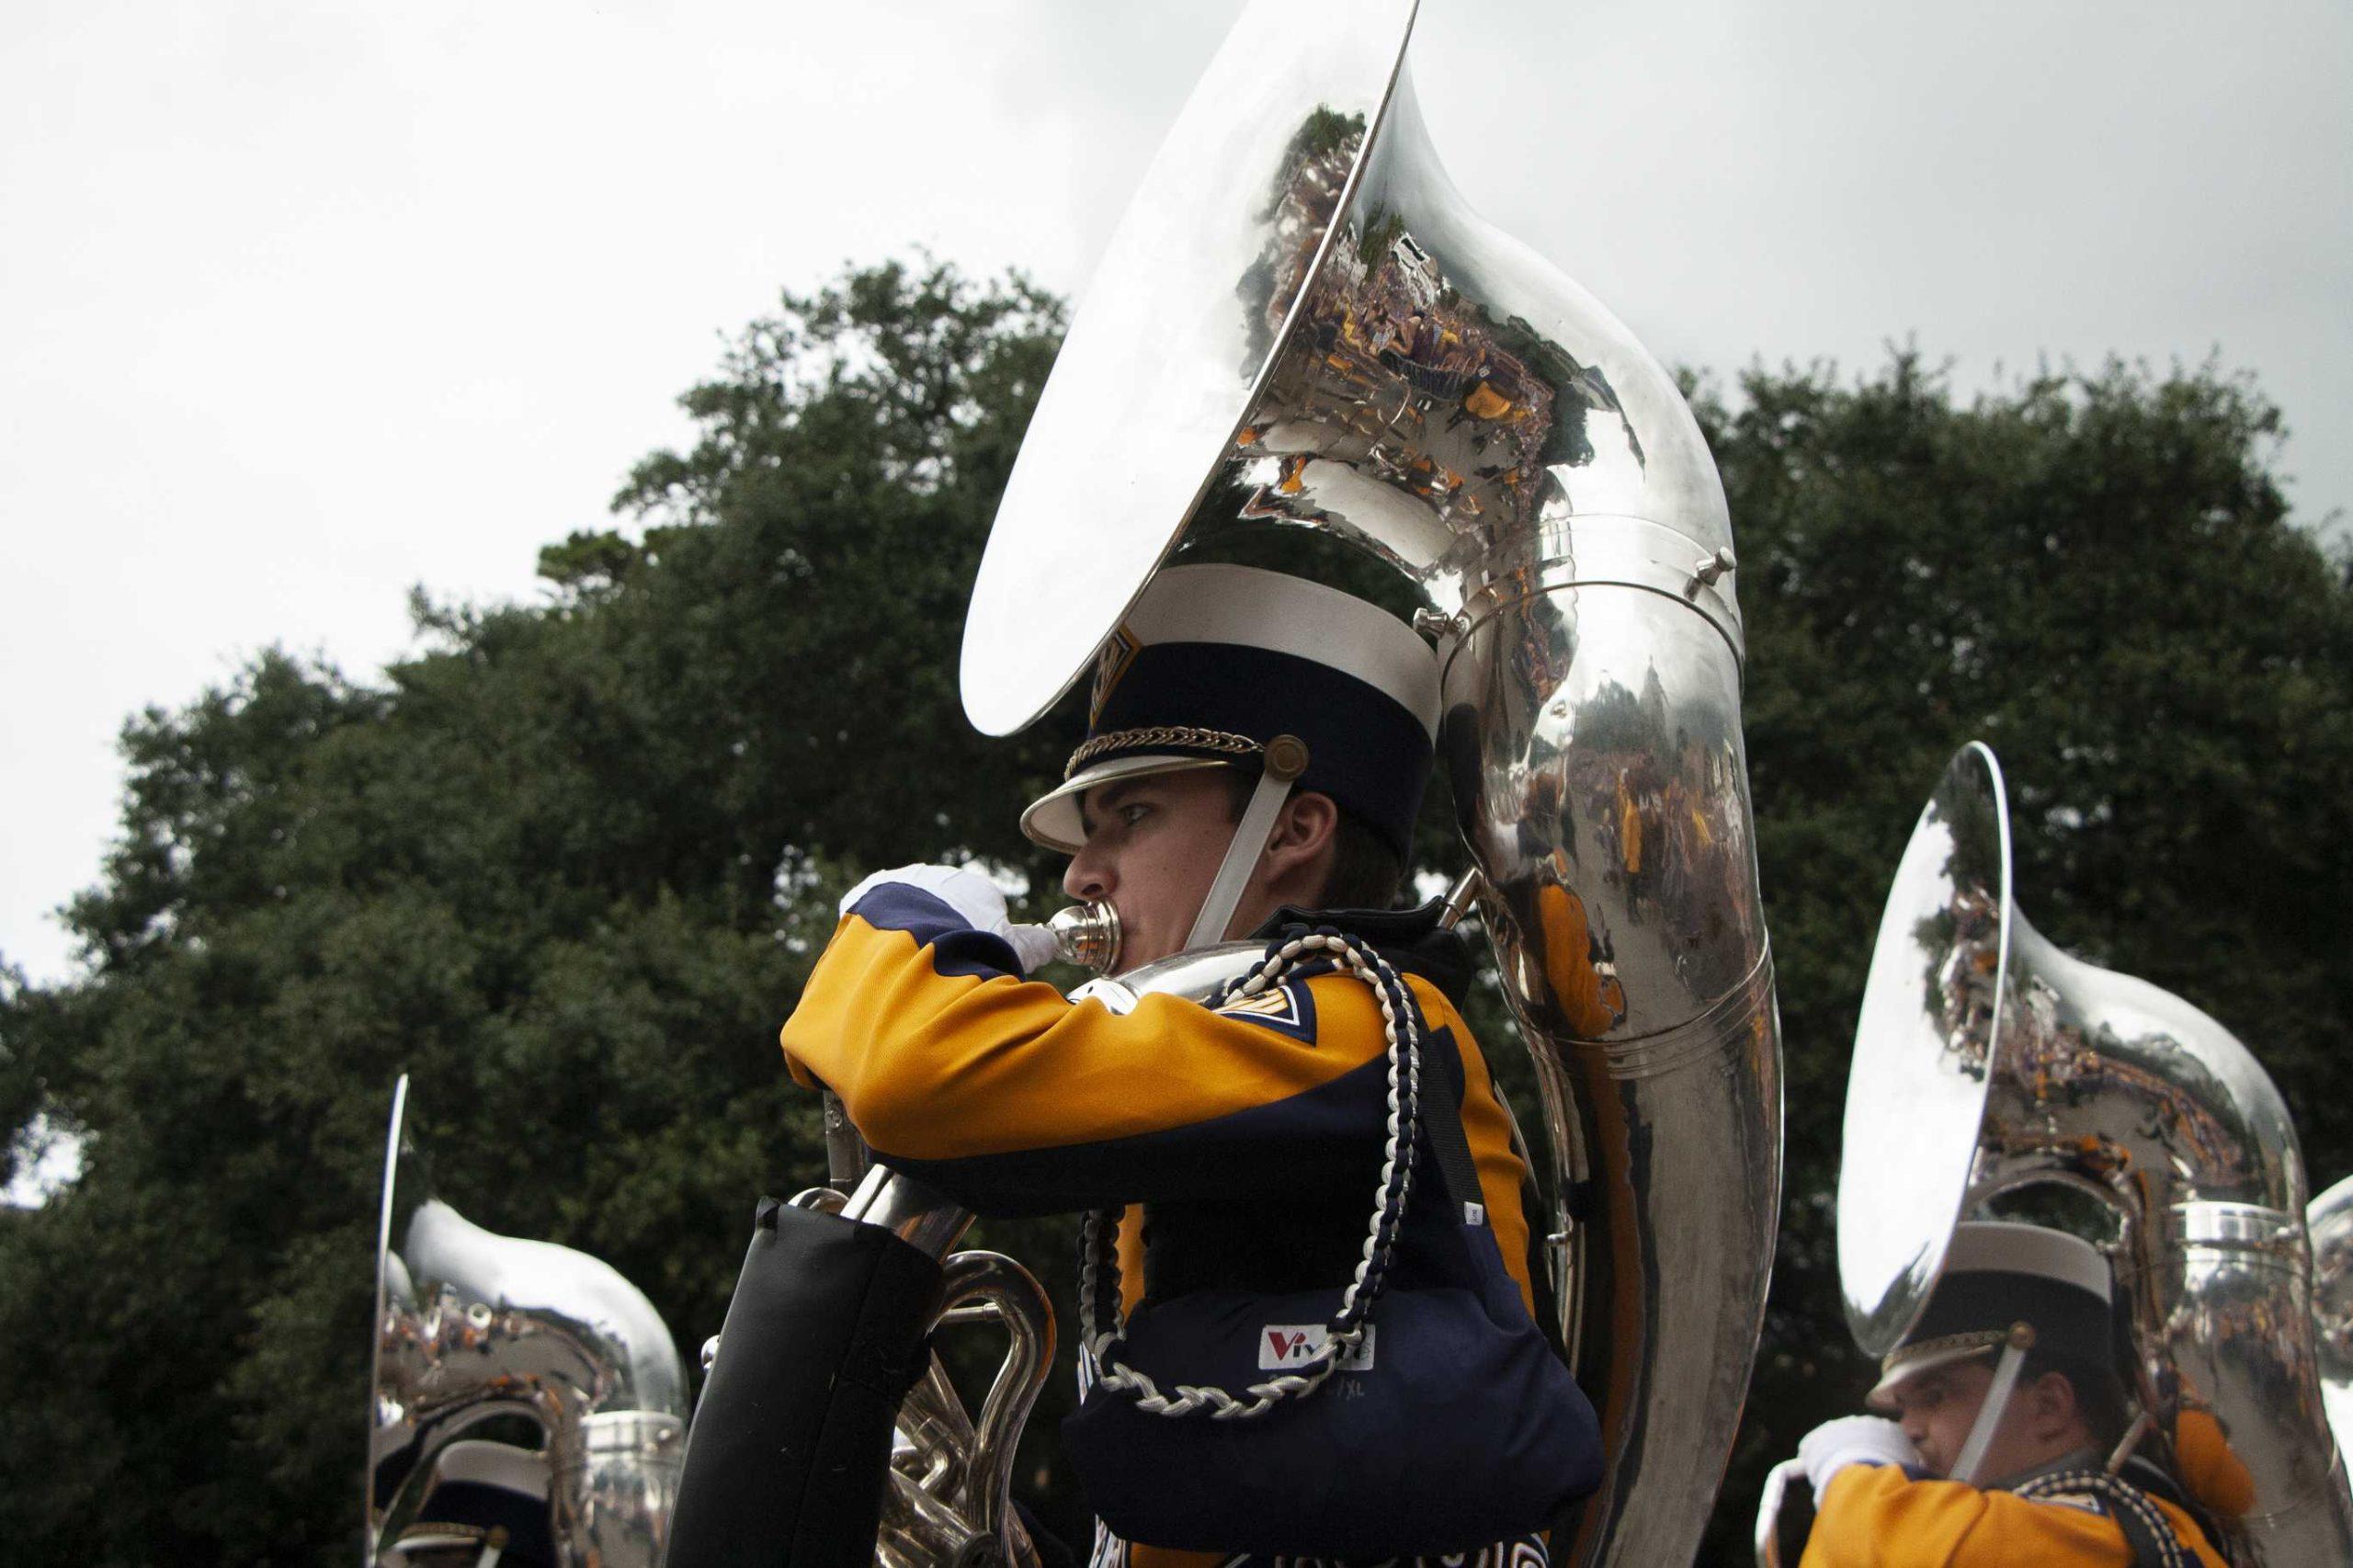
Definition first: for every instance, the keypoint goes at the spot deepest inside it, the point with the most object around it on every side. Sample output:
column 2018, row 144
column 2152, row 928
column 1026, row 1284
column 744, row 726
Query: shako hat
column 1997, row 1276
column 1216, row 663
column 484, row 1493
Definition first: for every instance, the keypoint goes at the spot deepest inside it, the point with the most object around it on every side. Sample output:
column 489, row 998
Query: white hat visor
column 1882, row 1392
column 1054, row 820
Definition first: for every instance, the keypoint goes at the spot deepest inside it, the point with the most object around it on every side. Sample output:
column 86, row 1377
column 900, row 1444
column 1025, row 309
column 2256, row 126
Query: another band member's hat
column 1216, row 662
column 1997, row 1276
column 484, row 1494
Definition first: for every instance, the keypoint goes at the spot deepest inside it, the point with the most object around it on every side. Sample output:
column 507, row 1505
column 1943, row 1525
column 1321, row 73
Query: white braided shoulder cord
column 1104, row 1324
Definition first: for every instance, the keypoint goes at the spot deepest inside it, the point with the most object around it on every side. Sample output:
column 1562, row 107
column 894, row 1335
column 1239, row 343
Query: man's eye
column 1133, row 813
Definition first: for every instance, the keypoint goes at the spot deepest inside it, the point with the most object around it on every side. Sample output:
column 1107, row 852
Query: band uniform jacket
column 1243, row 1141
column 1875, row 1516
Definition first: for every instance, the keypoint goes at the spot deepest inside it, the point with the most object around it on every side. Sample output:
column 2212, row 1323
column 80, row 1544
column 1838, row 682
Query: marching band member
column 2011, row 1375
column 1241, row 1139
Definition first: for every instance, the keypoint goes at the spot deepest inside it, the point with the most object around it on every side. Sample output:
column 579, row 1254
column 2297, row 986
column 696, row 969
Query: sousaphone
column 1986, row 1061
column 1298, row 308
column 2329, row 1218
column 520, row 1371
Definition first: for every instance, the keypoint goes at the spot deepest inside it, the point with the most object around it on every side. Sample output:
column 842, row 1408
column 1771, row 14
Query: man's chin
column 1134, row 955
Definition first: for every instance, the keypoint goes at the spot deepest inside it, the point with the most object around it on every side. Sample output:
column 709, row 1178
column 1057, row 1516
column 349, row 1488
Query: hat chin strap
column 1997, row 1399
column 1286, row 760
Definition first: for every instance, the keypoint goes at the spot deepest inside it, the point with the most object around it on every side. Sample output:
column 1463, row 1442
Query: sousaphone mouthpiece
column 1086, row 935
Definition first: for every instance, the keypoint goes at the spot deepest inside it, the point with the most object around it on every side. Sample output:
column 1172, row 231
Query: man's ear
column 2050, row 1405
column 1302, row 837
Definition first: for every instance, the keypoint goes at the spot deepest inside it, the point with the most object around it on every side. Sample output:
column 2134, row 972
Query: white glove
column 971, row 895
column 1852, row 1439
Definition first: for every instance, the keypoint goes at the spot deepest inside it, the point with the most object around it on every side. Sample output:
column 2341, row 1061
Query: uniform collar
column 2074, row 1459
column 2144, row 1474
column 1410, row 939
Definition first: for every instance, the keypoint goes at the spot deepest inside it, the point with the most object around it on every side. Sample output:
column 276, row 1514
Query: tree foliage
column 568, row 863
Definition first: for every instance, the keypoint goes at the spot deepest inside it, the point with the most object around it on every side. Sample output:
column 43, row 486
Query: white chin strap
column 1286, row 760
column 1997, row 1399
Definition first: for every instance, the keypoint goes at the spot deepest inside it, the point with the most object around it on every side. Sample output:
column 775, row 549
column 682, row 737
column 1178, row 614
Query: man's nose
column 1088, row 880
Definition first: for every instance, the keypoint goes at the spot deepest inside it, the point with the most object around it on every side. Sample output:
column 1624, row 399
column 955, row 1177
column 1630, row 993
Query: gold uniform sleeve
column 1877, row 1516
column 1012, row 1099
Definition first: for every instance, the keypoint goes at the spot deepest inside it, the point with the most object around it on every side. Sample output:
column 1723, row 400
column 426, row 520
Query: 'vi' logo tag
column 1287, row 1344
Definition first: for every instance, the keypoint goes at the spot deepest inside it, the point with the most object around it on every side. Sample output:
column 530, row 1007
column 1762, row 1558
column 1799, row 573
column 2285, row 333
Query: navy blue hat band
column 1214, row 661
column 2066, row 1321
column 1222, row 701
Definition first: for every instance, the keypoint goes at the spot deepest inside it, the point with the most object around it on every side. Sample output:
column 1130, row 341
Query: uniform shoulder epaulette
column 1288, row 1009
column 2146, row 1529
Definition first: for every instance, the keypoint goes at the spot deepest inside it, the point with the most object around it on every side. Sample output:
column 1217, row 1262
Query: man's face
column 1153, row 847
column 1938, row 1408
column 2041, row 1422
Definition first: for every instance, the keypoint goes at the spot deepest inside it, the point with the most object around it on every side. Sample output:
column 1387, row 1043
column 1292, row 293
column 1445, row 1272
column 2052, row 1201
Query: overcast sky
column 303, row 304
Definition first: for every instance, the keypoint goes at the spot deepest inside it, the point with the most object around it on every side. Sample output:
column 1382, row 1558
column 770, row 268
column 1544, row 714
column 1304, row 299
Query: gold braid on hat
column 1976, row 1339
column 1161, row 736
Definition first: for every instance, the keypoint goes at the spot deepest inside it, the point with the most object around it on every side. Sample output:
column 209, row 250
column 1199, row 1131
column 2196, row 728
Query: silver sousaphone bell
column 471, row 1327
column 1986, row 1061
